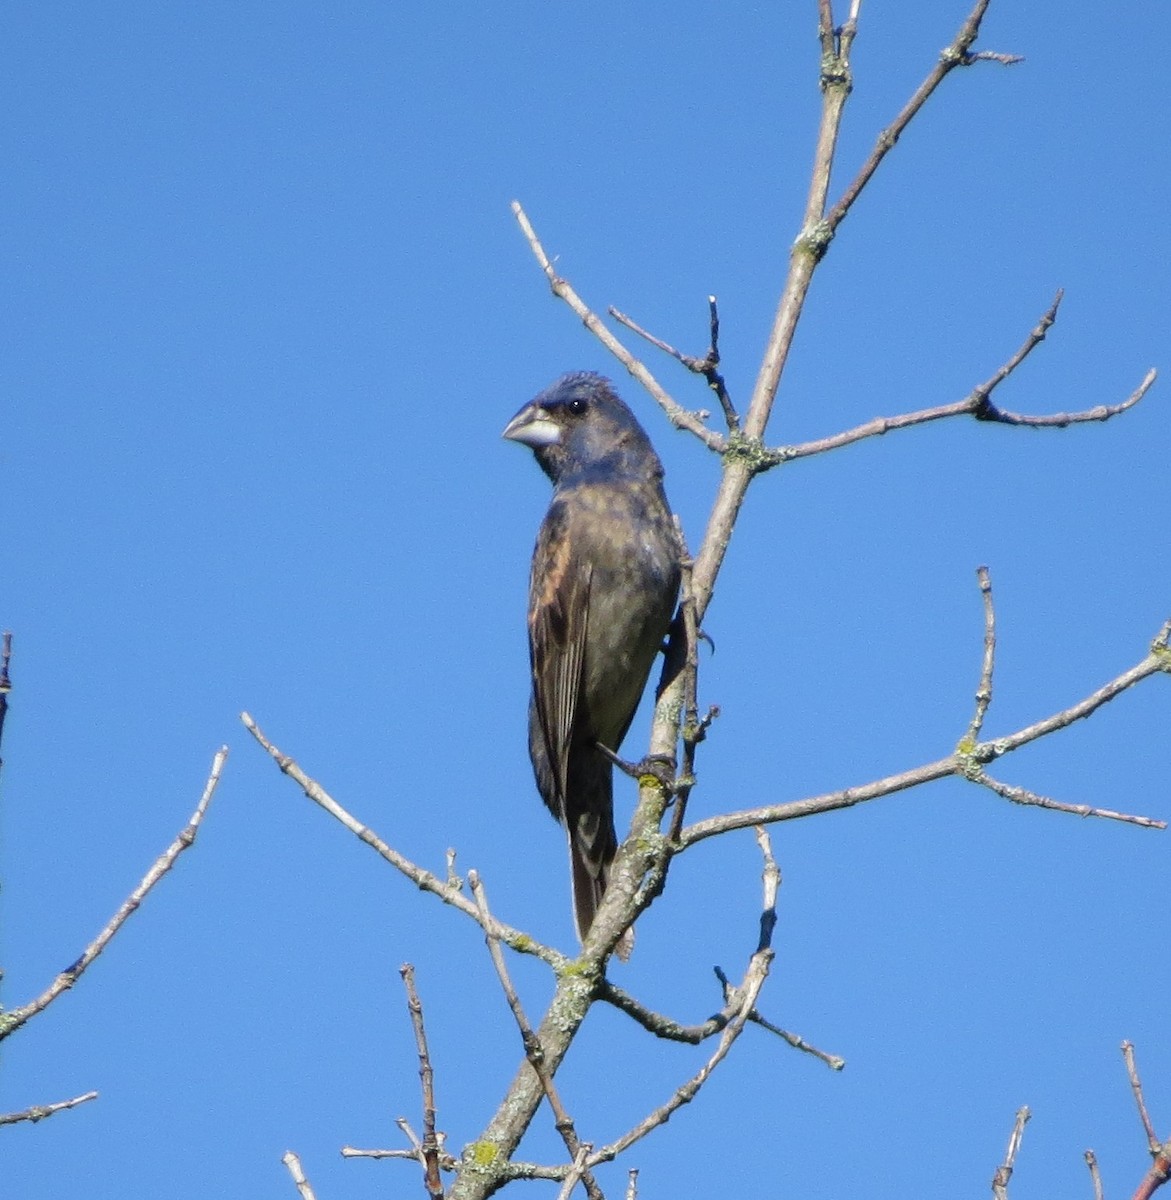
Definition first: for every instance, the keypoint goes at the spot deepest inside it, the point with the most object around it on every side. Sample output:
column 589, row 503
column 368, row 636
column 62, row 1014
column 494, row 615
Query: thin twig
column 708, row 366
column 1100, row 412
column 957, row 54
column 982, row 395
column 715, row 380
column 576, row 1172
column 532, row 1044
column 1158, row 1175
column 412, row 1155
column 1160, row 1170
column 1137, row 1088
column 40, row 1111
column 984, row 690
column 835, row 1062
column 632, row 1184
column 977, row 403
column 11, row 1021
column 747, row 995
column 293, row 1164
column 429, row 1148
column 518, row 1169
column 523, row 943
column 412, row 1137
column 5, row 681
column 1004, row 1171
column 965, row 762
column 694, row 731
column 563, row 289
column 1095, row 1176
column 1020, row 795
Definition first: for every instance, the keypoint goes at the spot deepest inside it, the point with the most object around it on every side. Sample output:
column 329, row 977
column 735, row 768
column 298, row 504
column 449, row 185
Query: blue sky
column 267, row 313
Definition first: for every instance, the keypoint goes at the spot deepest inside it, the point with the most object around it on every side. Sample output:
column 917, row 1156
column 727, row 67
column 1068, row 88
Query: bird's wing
column 558, row 626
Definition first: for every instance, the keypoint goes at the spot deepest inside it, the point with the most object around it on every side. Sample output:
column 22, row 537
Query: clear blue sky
column 266, row 312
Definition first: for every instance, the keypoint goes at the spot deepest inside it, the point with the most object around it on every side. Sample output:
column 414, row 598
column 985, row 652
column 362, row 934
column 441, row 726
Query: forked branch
column 969, row 759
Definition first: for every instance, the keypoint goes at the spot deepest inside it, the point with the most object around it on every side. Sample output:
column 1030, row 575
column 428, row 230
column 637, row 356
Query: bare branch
column 423, row 879
column 660, row 1025
column 1137, row 1088
column 1004, row 1171
column 5, row 680
column 957, row 54
column 678, row 416
column 835, row 1062
column 532, row 1044
column 1100, row 412
column 576, row 1173
column 673, row 1031
column 40, row 1111
column 1158, row 1175
column 429, row 1148
column 413, row 1155
column 746, row 456
column 11, row 1021
column 977, row 403
column 412, row 1137
column 1007, row 60
column 1020, row 795
column 708, row 366
column 694, row 730
column 967, row 762
column 453, row 879
column 1095, row 1178
column 984, row 690
column 747, row 996
column 1035, row 338
column 293, row 1164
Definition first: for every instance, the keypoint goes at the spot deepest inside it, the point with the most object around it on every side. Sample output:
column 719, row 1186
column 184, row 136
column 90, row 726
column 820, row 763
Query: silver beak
column 532, row 427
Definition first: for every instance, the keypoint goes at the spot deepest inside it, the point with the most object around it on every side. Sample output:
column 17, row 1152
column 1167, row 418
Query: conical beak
column 533, row 427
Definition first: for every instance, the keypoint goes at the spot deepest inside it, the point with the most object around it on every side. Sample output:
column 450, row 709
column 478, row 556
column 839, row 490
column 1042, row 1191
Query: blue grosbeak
column 604, row 581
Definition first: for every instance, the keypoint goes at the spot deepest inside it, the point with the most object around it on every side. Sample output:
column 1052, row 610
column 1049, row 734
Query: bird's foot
column 660, row 767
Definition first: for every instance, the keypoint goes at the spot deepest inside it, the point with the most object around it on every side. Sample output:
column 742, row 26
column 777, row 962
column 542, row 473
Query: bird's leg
column 660, row 767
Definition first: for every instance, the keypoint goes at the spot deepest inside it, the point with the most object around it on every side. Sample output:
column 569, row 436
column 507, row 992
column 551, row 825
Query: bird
column 602, row 593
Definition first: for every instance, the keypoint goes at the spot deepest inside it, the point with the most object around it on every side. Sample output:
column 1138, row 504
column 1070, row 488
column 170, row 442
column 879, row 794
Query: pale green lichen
column 815, row 239
column 481, row 1155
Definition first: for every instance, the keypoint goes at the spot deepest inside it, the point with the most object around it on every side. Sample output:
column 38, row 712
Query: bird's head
column 578, row 427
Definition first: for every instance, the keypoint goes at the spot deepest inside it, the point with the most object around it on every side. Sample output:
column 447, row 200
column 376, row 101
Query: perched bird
column 604, row 581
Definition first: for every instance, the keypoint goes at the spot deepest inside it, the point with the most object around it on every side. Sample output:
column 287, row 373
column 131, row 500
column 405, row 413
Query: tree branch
column 1004, row 1171
column 1137, row 1088
column 40, row 1111
column 563, row 289
column 1160, row 1170
column 746, row 996
column 429, row 1146
column 1095, row 1177
column 534, row 1051
column 5, row 680
column 977, row 403
column 968, row 762
column 708, row 366
column 12, row 1021
column 446, row 890
column 984, row 690
column 293, row 1164
column 957, row 54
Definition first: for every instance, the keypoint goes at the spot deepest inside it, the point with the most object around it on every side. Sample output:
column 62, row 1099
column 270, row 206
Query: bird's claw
column 660, row 767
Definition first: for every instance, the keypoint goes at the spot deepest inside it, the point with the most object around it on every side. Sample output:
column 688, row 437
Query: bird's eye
column 577, row 406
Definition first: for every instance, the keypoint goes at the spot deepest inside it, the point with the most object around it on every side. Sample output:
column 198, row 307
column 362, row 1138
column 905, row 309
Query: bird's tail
column 592, row 846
